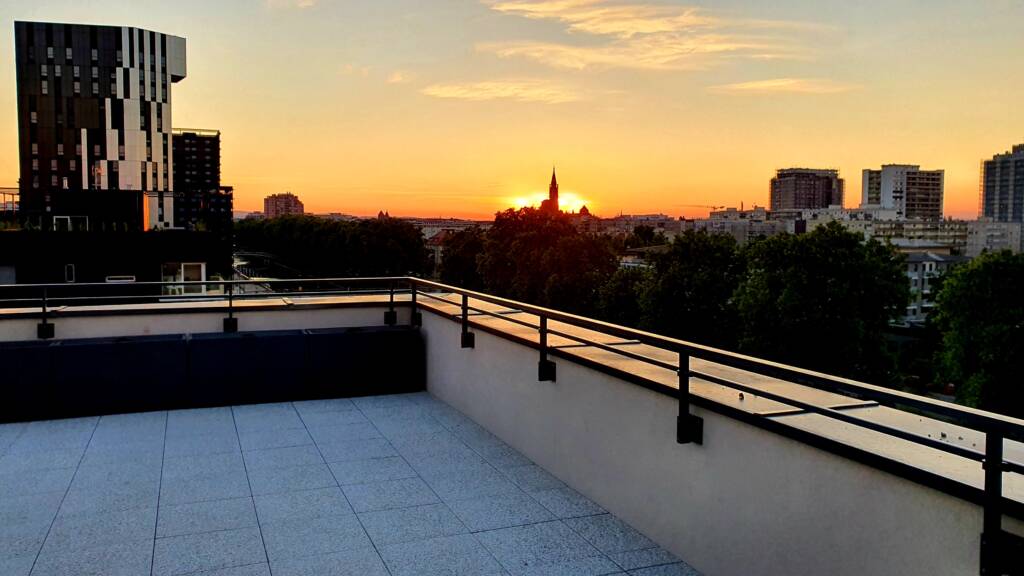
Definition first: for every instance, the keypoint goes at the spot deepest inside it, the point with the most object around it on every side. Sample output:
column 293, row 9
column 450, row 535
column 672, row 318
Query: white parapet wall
column 747, row 502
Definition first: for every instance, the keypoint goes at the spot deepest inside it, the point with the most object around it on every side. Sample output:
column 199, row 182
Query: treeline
column 821, row 300
column 319, row 247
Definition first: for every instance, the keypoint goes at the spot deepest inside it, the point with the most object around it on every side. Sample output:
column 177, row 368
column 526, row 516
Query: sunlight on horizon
column 567, row 201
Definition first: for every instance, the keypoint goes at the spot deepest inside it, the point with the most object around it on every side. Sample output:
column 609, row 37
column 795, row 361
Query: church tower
column 553, row 191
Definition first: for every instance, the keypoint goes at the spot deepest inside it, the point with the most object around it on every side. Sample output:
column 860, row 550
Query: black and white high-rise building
column 94, row 116
column 1002, row 186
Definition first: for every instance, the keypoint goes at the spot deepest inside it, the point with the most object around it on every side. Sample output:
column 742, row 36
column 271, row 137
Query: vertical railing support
column 391, row 317
column 415, row 316
column 468, row 338
column 992, row 546
column 231, row 323
column 45, row 330
column 545, row 368
column 689, row 428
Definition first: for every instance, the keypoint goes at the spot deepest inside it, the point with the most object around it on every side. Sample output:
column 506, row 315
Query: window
column 35, row 149
column 67, row 54
column 77, row 87
column 46, row 87
column 53, row 164
column 35, row 164
column 73, row 164
column 60, row 149
column 95, row 55
column 76, row 71
column 95, row 88
column 95, row 149
column 78, row 149
column 120, row 56
column 69, row 269
column 44, row 70
column 53, row 180
column 56, row 71
column 95, row 72
column 49, row 52
column 33, row 117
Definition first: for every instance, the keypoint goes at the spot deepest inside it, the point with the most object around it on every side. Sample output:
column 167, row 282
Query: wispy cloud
column 519, row 90
column 647, row 36
column 399, row 77
column 291, row 3
column 354, row 70
column 785, row 86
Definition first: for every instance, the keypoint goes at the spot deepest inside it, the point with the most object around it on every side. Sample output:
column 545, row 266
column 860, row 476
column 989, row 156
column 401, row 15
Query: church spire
column 553, row 191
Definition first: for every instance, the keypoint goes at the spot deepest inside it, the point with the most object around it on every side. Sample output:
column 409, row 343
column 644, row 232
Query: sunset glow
column 567, row 201
column 648, row 105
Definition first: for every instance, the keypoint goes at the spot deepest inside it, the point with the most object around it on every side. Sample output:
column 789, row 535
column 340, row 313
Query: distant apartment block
column 923, row 268
column 1002, row 186
column 806, row 188
column 913, row 193
column 281, row 205
column 94, row 119
column 200, row 201
column 985, row 235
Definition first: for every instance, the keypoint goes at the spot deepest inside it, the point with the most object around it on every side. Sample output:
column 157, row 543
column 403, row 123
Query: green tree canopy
column 823, row 301
column 322, row 247
column 689, row 294
column 459, row 258
column 980, row 313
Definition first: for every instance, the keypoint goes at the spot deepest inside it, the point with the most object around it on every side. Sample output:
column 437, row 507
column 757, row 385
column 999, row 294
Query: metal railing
column 999, row 548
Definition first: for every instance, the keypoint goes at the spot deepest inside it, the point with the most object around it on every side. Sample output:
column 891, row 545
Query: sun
column 567, row 201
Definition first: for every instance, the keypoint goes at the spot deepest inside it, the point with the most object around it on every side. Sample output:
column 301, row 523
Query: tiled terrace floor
column 399, row 485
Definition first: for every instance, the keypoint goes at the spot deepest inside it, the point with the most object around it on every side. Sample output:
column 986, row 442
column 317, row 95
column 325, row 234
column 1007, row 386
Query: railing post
column 231, row 323
column 689, row 428
column 415, row 316
column 468, row 338
column 391, row 317
column 992, row 550
column 45, row 330
column 545, row 368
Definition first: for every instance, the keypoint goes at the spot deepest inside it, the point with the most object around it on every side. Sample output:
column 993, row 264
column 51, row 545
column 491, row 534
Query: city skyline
column 459, row 109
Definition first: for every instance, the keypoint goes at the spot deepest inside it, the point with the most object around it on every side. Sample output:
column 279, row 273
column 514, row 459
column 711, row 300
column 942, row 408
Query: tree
column 321, row 247
column 823, row 301
column 689, row 292
column 459, row 259
column 539, row 257
column 618, row 299
column 980, row 315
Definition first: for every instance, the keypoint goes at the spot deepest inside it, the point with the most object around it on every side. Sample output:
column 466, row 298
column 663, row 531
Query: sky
column 461, row 107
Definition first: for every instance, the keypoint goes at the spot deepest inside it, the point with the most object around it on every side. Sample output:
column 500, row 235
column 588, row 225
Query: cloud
column 291, row 3
column 353, row 70
column 399, row 77
column 785, row 86
column 518, row 90
column 647, row 36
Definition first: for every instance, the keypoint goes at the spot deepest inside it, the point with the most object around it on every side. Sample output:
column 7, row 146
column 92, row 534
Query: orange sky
column 458, row 107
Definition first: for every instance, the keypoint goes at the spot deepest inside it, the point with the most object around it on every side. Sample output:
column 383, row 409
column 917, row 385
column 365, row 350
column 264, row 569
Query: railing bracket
column 689, row 428
column 230, row 325
column 546, row 371
column 391, row 317
column 468, row 340
column 45, row 330
column 416, row 319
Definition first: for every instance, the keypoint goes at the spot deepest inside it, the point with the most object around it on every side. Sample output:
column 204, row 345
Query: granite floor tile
column 680, row 569
column 390, row 494
column 469, row 483
column 372, row 470
column 460, row 555
column 345, row 450
column 209, row 516
column 188, row 467
column 304, row 407
column 313, row 536
column 208, row 551
column 636, row 559
column 306, row 455
column 201, row 444
column 408, row 524
column 356, row 562
column 525, row 548
column 263, row 439
column 290, row 479
column 609, row 534
column 533, row 478
column 333, row 418
column 17, row 565
column 75, row 531
column 567, row 503
column 205, row 488
column 35, row 481
column 499, row 511
column 344, row 432
column 302, row 504
column 126, row 559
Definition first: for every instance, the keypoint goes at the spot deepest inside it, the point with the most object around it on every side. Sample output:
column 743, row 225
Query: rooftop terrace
column 400, row 485
column 512, row 440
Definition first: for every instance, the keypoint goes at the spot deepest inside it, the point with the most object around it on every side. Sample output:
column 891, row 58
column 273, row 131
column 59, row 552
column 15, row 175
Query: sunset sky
column 459, row 107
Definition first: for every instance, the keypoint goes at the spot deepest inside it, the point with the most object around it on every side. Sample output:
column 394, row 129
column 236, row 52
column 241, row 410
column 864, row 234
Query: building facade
column 913, row 193
column 200, row 201
column 1002, row 186
column 922, row 270
column 805, row 189
column 282, row 205
column 986, row 235
column 94, row 118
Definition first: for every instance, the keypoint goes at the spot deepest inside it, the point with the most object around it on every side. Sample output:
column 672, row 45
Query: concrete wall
column 197, row 322
column 746, row 502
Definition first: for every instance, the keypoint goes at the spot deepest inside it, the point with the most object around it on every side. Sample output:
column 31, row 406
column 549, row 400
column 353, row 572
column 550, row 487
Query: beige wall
column 747, row 502
column 195, row 323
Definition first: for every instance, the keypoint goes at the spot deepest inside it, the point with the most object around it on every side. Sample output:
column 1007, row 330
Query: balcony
column 399, row 426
